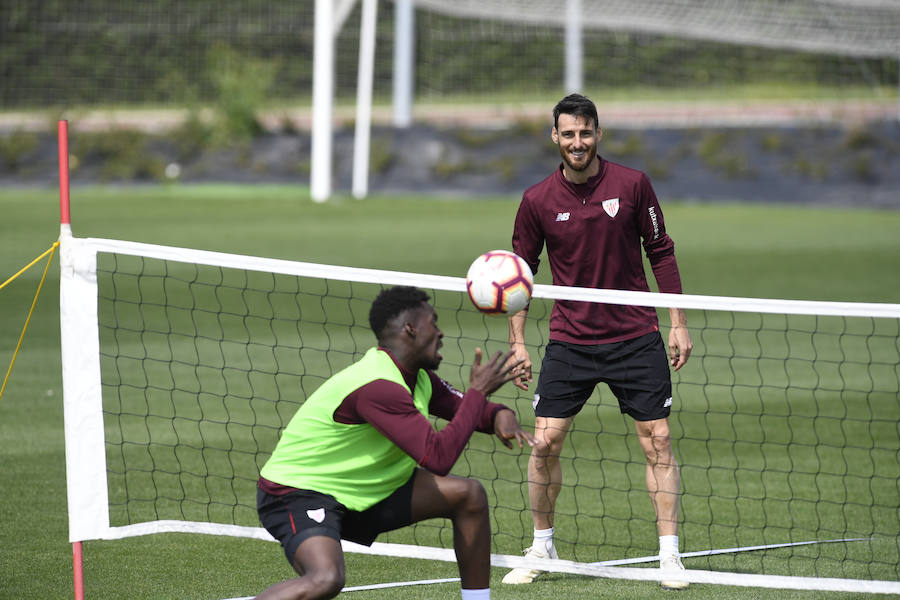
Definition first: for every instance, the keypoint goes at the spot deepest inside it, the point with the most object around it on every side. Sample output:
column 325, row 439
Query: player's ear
column 409, row 329
column 554, row 135
column 599, row 134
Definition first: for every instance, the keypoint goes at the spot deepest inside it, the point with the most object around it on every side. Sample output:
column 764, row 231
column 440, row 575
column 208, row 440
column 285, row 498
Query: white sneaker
column 672, row 564
column 525, row 575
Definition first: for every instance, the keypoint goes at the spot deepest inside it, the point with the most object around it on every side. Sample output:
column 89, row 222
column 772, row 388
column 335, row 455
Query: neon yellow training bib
column 354, row 463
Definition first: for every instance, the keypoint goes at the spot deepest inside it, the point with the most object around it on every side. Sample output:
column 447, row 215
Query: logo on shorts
column 537, row 398
column 667, row 403
column 317, row 515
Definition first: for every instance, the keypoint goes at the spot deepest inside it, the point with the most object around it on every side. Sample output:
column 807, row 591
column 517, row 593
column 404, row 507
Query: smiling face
column 577, row 138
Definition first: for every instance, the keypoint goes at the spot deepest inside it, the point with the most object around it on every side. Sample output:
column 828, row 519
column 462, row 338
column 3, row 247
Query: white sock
column 484, row 594
column 668, row 545
column 543, row 538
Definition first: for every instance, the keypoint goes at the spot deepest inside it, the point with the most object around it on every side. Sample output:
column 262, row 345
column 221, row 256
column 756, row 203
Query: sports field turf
column 735, row 250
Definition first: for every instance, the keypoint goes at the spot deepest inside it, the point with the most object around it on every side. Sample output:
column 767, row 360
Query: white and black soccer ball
column 499, row 282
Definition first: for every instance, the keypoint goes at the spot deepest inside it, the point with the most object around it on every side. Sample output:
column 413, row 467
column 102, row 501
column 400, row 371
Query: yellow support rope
column 51, row 251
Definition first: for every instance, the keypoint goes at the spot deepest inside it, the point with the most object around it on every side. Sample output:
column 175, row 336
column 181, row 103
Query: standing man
column 593, row 216
column 360, row 457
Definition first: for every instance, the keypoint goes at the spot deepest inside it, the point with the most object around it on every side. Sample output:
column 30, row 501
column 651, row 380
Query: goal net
column 181, row 367
column 178, row 54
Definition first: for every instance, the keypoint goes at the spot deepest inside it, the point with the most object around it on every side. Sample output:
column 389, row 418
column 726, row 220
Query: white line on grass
column 503, row 561
column 380, row 586
column 646, row 559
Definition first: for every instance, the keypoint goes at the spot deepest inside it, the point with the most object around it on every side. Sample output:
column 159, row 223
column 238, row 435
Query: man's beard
column 589, row 158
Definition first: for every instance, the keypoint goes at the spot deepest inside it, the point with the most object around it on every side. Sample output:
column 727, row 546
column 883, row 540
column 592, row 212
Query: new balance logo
column 562, row 217
column 667, row 403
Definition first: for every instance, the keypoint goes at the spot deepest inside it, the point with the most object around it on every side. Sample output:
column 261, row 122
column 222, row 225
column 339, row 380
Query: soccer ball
column 499, row 282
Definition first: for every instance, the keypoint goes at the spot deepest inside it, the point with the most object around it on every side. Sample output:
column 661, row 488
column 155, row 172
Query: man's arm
column 527, row 242
column 445, row 401
column 495, row 418
column 660, row 250
column 668, row 280
column 389, row 408
column 680, row 344
column 520, row 351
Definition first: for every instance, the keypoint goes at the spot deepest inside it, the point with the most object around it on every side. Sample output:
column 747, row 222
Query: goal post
column 322, row 126
column 522, row 49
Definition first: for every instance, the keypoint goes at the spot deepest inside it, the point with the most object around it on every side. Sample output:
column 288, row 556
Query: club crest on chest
column 611, row 207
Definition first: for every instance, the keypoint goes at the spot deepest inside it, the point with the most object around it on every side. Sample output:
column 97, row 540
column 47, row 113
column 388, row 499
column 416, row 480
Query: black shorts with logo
column 636, row 371
column 298, row 515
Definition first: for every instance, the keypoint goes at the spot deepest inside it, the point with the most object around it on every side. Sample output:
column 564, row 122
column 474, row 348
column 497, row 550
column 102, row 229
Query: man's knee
column 475, row 496
column 540, row 450
column 320, row 564
column 657, row 447
column 548, row 445
column 463, row 496
column 328, row 583
column 654, row 436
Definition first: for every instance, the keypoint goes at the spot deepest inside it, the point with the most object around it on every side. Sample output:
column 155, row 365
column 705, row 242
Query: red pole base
column 78, row 570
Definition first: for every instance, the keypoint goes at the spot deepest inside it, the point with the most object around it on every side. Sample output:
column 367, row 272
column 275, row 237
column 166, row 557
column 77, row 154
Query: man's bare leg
column 544, row 485
column 319, row 561
column 664, row 487
column 544, row 469
column 465, row 503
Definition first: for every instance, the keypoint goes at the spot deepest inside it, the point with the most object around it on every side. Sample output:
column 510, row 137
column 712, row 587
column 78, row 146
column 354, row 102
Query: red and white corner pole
column 64, row 215
column 65, row 231
column 78, row 570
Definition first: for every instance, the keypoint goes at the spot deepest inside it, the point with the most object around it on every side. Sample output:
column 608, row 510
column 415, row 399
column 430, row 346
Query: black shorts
column 636, row 371
column 294, row 517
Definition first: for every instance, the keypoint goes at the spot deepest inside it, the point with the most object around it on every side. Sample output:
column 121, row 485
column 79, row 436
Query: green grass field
column 733, row 250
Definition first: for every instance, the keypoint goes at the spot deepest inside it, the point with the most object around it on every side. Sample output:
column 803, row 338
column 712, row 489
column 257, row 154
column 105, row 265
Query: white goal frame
column 727, row 22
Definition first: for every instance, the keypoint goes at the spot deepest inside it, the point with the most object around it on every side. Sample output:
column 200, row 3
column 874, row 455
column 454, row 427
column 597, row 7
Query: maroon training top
column 390, row 409
column 593, row 233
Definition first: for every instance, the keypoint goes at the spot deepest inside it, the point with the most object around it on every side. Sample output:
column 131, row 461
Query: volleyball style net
column 181, row 367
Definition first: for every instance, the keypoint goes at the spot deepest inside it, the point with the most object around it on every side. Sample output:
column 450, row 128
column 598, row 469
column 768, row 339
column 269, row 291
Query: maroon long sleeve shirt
column 390, row 409
column 594, row 233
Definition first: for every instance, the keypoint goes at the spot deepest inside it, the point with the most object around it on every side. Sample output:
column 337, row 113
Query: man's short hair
column 391, row 302
column 577, row 106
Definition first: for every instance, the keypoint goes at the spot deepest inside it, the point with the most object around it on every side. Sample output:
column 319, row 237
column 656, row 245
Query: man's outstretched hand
column 507, row 428
column 487, row 378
